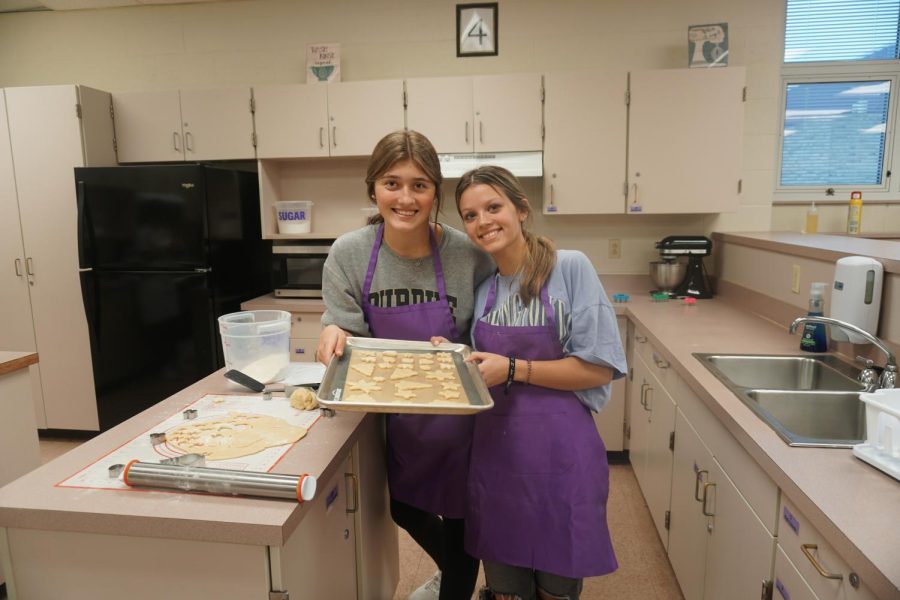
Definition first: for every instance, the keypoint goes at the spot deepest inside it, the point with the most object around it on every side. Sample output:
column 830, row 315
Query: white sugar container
column 294, row 216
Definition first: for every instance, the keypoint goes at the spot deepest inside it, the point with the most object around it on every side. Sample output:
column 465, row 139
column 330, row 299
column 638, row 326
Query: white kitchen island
column 63, row 542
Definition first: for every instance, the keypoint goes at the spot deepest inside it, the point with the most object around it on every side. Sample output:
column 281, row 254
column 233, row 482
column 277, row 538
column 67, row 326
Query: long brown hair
column 540, row 254
column 399, row 146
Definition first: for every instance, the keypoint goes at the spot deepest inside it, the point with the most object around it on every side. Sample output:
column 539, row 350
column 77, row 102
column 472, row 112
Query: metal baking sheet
column 331, row 390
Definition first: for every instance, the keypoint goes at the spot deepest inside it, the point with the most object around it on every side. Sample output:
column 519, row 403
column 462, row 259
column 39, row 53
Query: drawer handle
column 805, row 548
column 640, row 339
column 706, row 487
column 353, row 479
column 662, row 364
column 697, row 480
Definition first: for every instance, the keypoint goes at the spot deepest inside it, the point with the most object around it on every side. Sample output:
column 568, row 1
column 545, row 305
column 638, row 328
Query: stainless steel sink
column 807, row 400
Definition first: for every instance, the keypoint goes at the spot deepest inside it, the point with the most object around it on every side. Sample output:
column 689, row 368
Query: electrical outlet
column 795, row 279
column 615, row 248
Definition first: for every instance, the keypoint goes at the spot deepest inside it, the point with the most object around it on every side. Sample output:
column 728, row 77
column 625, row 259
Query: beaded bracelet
column 528, row 374
column 511, row 374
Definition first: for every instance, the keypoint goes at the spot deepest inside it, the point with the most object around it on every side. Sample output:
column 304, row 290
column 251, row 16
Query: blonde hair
column 540, row 254
column 400, row 146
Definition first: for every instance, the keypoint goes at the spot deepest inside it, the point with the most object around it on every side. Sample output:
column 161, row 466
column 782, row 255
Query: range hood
column 520, row 164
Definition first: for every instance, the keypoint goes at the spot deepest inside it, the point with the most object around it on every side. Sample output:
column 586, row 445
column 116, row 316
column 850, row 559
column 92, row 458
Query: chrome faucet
column 888, row 376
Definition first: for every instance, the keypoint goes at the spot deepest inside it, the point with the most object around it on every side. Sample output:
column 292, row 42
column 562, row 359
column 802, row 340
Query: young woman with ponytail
column 547, row 345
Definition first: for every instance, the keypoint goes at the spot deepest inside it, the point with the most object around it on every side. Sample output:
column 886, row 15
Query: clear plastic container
column 294, row 216
column 257, row 343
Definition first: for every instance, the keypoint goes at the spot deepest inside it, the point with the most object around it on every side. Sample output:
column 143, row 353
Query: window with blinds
column 830, row 30
column 835, row 127
column 834, row 133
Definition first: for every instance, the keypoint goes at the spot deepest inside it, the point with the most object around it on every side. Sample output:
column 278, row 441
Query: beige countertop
column 854, row 505
column 32, row 501
column 13, row 361
column 820, row 246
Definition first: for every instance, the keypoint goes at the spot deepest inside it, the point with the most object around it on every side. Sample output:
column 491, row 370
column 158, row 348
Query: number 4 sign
column 476, row 29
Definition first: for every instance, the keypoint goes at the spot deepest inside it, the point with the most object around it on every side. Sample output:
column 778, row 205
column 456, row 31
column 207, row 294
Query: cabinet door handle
column 706, row 487
column 552, row 195
column 355, row 495
column 481, row 131
column 662, row 364
column 644, row 387
column 189, row 141
column 805, row 548
column 647, row 406
column 18, row 264
column 467, row 132
column 697, row 479
column 334, row 135
column 175, row 140
column 29, row 266
column 321, row 139
column 640, row 339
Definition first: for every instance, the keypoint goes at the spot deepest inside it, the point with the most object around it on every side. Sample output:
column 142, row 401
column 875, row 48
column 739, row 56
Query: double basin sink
column 808, row 400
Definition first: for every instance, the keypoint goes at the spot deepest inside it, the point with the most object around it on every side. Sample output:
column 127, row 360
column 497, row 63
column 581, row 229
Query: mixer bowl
column 667, row 274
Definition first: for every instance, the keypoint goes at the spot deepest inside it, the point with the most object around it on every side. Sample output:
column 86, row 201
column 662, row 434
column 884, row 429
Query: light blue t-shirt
column 585, row 319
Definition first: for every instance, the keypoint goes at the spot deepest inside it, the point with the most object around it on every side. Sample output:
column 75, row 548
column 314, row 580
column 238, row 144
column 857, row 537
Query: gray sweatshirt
column 399, row 281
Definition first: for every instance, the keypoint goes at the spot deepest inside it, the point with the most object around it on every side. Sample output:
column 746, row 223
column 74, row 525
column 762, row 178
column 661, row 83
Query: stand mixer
column 695, row 283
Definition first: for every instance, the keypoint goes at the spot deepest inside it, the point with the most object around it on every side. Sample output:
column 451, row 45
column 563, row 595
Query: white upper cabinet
column 336, row 119
column 173, row 125
column 584, row 148
column 291, row 121
column 685, row 139
column 362, row 112
column 486, row 113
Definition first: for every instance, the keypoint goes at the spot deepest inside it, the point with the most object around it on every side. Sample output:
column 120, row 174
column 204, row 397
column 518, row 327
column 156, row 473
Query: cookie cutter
column 116, row 470
column 157, row 438
column 189, row 414
column 185, row 460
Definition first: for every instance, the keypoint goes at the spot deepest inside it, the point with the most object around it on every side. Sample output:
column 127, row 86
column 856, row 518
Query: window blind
column 833, row 30
column 834, row 133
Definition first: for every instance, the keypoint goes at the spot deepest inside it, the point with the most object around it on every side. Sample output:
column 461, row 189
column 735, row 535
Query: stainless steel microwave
column 297, row 269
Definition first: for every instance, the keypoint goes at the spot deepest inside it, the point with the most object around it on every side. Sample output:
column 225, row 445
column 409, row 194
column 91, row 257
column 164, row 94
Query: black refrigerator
column 163, row 251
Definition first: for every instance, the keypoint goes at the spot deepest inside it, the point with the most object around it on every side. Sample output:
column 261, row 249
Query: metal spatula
column 254, row 385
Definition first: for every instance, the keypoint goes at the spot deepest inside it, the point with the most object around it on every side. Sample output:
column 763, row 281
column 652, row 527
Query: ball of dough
column 304, row 398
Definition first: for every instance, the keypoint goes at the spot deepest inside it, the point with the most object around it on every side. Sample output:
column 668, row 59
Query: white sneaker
column 430, row 590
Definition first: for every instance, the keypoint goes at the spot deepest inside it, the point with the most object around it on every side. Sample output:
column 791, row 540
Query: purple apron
column 538, row 480
column 428, row 455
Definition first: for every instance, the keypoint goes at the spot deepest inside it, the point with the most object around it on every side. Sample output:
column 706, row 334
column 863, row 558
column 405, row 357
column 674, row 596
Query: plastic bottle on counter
column 854, row 214
column 812, row 219
column 814, row 338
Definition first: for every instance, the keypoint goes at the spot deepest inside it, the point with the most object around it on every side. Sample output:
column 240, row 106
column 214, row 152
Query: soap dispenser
column 814, row 338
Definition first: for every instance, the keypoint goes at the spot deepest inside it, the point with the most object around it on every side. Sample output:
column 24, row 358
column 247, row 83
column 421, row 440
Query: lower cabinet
column 652, row 425
column 611, row 420
column 718, row 547
column 818, row 565
column 327, row 530
column 788, row 583
column 305, row 327
column 739, row 549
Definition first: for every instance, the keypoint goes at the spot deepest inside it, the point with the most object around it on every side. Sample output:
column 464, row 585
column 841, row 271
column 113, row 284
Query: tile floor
column 644, row 572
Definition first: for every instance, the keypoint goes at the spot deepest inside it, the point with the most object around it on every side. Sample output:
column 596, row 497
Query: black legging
column 442, row 539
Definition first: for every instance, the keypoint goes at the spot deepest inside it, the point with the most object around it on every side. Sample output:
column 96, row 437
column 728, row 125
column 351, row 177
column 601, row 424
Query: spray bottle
column 812, row 219
column 854, row 214
column 814, row 339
